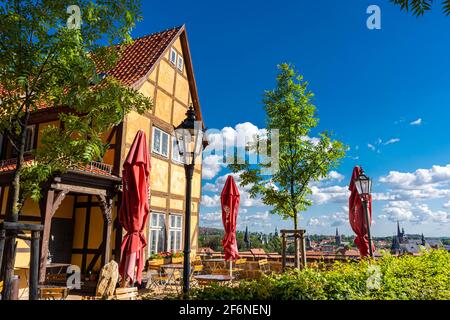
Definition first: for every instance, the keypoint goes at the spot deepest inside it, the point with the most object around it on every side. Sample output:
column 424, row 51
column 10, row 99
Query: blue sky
column 371, row 87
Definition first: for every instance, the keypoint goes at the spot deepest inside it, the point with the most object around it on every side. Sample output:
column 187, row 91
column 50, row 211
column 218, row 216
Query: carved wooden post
column 34, row 265
column 106, row 203
column 49, row 205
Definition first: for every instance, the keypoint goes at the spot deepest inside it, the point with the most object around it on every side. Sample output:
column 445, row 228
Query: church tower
column 338, row 238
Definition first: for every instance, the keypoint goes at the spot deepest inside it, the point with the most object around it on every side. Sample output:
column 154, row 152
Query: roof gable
column 139, row 57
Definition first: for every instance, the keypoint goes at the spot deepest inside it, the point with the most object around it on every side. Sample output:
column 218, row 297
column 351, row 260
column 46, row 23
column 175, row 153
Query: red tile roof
column 139, row 57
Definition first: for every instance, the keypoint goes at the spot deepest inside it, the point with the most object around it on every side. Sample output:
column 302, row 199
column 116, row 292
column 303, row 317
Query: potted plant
column 156, row 259
column 177, row 257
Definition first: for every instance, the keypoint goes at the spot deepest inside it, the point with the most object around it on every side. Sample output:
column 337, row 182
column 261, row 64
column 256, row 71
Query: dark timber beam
column 48, row 206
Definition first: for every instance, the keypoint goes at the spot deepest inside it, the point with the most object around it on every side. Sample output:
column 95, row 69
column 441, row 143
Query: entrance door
column 61, row 240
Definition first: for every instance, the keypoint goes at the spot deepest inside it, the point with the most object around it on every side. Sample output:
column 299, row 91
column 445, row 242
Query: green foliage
column 419, row 7
column 426, row 277
column 302, row 159
column 44, row 63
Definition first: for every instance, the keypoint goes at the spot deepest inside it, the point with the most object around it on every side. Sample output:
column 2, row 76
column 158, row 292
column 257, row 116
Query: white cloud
column 392, row 141
column 211, row 166
column 217, row 186
column 314, row 222
column 211, row 217
column 334, row 175
column 406, row 211
column 422, row 184
column 337, row 194
column 211, row 201
column 417, row 122
column 371, row 147
column 447, row 205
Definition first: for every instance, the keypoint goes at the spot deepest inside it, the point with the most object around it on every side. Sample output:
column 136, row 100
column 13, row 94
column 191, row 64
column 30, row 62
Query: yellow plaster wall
column 196, row 185
column 159, row 175
column 42, row 126
column 31, row 208
column 158, row 202
column 166, row 76
column 65, row 210
column 179, row 113
column 178, row 180
column 182, row 89
column 177, row 45
column 147, row 89
column 163, row 106
column 176, row 204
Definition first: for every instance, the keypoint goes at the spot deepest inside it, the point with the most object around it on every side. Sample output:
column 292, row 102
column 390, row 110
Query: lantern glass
column 189, row 137
column 363, row 185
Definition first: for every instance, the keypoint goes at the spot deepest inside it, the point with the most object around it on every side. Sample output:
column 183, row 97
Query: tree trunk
column 14, row 208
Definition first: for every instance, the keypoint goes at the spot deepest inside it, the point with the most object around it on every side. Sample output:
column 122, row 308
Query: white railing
column 94, row 165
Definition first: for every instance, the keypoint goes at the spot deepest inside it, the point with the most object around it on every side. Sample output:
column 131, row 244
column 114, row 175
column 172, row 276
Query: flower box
column 177, row 260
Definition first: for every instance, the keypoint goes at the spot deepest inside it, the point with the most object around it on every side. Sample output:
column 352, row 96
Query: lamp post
column 189, row 138
column 364, row 187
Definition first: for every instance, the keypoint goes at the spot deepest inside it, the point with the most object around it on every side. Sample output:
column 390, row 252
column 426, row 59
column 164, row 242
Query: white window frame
column 161, row 143
column 173, row 53
column 178, row 232
column 176, row 157
column 157, row 228
column 180, row 63
column 29, row 144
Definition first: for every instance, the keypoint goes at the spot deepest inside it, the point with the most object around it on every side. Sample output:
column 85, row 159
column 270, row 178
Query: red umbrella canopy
column 229, row 199
column 357, row 216
column 135, row 208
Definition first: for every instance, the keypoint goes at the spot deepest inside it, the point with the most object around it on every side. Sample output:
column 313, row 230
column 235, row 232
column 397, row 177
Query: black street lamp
column 190, row 143
column 364, row 187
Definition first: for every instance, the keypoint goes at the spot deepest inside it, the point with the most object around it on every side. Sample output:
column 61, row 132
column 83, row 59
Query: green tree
column 45, row 61
column 301, row 159
column 419, row 7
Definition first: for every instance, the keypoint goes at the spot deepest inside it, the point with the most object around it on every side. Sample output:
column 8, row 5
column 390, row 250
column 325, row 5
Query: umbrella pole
column 231, row 268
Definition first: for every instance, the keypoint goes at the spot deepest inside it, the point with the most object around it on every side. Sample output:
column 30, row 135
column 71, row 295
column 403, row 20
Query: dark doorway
column 61, row 240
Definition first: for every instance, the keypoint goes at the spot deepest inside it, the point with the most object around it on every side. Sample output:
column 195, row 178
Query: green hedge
column 425, row 277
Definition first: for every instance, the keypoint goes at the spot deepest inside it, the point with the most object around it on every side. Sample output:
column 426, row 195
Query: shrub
column 424, row 277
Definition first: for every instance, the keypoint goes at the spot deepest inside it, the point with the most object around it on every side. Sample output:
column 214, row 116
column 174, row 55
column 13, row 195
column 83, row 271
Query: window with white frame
column 180, row 63
column 29, row 138
column 175, row 232
column 173, row 56
column 157, row 232
column 175, row 151
column 160, row 143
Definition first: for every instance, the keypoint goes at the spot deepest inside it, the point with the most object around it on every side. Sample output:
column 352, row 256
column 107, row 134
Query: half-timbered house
column 79, row 208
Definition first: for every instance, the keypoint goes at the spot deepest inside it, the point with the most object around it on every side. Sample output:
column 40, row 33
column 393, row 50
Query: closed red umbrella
column 229, row 199
column 135, row 208
column 357, row 216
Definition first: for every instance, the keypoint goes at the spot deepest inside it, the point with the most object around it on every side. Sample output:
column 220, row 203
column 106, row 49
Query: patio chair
column 155, row 275
column 239, row 267
column 126, row 293
column 196, row 270
column 53, row 293
column 264, row 266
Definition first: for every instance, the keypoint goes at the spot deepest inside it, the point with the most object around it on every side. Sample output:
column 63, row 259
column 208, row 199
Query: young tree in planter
column 47, row 54
column 302, row 159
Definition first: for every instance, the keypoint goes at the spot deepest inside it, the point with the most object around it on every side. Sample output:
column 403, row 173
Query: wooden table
column 213, row 278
